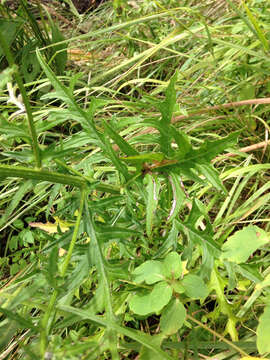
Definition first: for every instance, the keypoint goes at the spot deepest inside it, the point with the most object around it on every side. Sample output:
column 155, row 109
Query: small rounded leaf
column 150, row 272
column 153, row 301
column 172, row 317
column 194, row 286
column 244, row 243
column 172, row 266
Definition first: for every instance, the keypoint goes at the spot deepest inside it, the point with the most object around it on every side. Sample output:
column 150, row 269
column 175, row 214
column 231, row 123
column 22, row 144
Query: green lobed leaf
column 146, row 303
column 194, row 286
column 65, row 94
column 210, row 149
column 169, row 242
column 204, row 238
column 121, row 167
column 142, row 338
column 150, row 272
column 243, row 243
column 211, row 175
column 166, row 108
column 181, row 140
column 24, row 188
column 172, row 266
column 173, row 317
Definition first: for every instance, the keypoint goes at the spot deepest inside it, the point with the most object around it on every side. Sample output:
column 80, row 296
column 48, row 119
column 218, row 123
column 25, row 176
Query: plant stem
column 54, row 177
column 18, row 78
column 221, row 337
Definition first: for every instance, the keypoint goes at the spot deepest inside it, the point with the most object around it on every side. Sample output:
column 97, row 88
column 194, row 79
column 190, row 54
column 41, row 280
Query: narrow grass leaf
column 24, row 188
column 258, row 31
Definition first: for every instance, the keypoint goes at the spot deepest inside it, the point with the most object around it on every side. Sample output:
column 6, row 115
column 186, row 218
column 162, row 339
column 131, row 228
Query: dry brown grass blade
column 223, row 106
column 245, row 149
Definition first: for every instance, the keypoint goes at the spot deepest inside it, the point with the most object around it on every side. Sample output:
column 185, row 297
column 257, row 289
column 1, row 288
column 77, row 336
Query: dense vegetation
column 134, row 180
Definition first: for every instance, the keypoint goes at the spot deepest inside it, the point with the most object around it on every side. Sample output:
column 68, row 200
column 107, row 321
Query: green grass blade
column 23, row 189
column 258, row 31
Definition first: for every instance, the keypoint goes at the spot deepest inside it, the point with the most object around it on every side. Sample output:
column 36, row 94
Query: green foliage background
column 134, row 190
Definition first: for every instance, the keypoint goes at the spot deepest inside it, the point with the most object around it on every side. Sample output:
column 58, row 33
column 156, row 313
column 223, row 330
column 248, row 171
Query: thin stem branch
column 53, row 177
column 216, row 334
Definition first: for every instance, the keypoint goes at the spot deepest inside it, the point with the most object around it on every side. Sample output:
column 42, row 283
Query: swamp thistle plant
column 133, row 218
